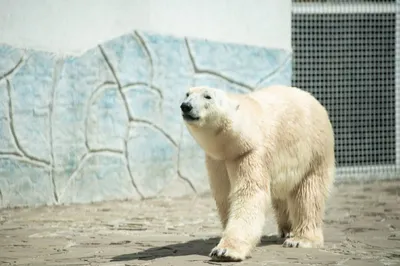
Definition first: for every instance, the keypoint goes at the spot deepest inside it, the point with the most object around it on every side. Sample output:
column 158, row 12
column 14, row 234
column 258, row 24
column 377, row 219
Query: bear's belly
column 285, row 179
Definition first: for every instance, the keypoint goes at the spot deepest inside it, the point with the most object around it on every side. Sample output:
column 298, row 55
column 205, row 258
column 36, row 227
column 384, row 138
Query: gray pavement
column 362, row 227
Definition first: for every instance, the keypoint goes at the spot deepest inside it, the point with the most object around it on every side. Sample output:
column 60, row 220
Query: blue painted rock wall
column 107, row 125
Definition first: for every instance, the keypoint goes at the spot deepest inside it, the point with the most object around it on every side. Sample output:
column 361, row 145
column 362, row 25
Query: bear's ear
column 237, row 107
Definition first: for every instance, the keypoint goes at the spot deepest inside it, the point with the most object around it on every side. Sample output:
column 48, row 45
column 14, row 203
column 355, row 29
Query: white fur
column 275, row 144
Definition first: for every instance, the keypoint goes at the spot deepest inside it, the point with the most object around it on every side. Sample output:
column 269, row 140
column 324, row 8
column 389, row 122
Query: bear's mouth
column 189, row 117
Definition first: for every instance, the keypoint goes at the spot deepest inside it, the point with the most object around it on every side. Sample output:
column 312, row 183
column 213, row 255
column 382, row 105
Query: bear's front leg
column 220, row 187
column 248, row 203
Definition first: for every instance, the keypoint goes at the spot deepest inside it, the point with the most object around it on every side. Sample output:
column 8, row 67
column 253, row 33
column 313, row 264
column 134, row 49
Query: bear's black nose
column 186, row 107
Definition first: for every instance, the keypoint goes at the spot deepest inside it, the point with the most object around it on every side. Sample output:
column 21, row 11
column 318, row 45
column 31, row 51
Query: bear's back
column 293, row 109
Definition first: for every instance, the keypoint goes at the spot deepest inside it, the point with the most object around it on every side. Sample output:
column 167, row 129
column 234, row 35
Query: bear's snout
column 186, row 107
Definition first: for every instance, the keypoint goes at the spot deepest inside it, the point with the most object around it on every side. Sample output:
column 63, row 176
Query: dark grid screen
column 344, row 53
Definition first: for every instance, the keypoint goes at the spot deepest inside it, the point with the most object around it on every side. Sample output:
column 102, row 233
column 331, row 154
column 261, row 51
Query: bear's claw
column 218, row 252
column 223, row 254
column 291, row 244
column 295, row 242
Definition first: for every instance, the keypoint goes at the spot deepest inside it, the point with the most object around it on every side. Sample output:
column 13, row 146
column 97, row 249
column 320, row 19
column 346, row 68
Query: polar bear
column 270, row 146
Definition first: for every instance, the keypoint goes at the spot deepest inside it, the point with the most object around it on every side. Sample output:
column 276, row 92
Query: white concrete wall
column 73, row 26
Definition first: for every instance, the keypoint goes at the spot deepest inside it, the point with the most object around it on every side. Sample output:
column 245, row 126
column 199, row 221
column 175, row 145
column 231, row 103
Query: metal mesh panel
column 344, row 53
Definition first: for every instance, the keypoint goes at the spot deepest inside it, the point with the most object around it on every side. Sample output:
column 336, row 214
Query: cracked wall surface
column 106, row 125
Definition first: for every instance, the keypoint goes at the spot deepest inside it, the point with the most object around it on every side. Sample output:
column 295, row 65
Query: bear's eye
column 187, row 94
column 207, row 97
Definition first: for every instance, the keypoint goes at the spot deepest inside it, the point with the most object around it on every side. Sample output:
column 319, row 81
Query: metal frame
column 371, row 172
column 397, row 82
column 343, row 8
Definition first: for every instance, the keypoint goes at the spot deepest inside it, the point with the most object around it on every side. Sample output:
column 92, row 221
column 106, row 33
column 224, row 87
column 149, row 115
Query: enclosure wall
column 104, row 123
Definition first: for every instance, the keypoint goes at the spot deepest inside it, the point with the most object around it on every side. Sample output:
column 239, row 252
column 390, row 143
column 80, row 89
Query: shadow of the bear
column 194, row 247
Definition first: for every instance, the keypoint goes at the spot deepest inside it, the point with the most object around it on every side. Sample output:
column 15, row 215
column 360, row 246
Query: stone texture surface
column 106, row 125
column 243, row 65
column 362, row 227
column 32, row 85
column 106, row 120
column 93, row 182
column 152, row 157
column 24, row 182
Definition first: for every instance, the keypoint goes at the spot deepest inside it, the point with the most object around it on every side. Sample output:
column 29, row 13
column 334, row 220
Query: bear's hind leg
column 282, row 217
column 306, row 211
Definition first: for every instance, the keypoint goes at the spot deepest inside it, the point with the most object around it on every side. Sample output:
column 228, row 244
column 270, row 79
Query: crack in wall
column 128, row 166
column 152, row 125
column 149, row 86
column 82, row 161
column 148, row 53
column 13, row 132
column 12, row 70
column 19, row 157
column 127, row 110
column 56, row 77
column 197, row 70
column 159, row 129
column 120, row 89
column 187, row 180
column 132, row 119
column 94, row 96
column 106, row 150
column 1, row 198
column 9, row 153
column 113, row 72
column 275, row 71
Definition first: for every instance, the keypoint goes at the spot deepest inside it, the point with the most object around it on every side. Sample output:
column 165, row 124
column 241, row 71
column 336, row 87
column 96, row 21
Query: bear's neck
column 230, row 140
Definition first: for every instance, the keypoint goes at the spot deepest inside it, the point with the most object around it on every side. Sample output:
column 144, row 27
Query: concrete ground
column 362, row 227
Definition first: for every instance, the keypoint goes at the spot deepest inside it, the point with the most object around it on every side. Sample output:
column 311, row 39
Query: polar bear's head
column 207, row 107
